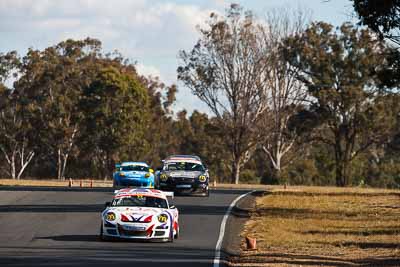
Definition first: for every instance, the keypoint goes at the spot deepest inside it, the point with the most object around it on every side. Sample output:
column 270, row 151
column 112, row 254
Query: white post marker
column 217, row 258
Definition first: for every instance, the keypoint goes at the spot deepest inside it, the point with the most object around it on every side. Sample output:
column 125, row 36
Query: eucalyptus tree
column 340, row 69
column 226, row 70
column 53, row 81
column 286, row 95
column 115, row 109
column 15, row 125
column 383, row 17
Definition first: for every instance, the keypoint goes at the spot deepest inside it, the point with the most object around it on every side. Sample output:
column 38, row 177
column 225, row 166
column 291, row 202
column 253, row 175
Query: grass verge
column 324, row 226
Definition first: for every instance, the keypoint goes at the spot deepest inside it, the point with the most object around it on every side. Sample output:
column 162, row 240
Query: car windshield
column 184, row 166
column 140, row 201
column 138, row 168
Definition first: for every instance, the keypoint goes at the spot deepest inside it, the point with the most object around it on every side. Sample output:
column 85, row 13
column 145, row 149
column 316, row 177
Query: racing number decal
column 110, row 216
column 162, row 218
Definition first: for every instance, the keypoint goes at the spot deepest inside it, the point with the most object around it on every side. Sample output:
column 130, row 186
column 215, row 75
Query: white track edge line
column 217, row 258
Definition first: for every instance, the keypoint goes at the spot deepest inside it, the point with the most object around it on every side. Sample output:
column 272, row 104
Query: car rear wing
column 165, row 193
column 168, row 194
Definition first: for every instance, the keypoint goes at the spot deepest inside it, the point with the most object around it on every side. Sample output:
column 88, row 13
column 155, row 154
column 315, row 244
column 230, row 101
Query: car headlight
column 147, row 175
column 162, row 218
column 202, row 178
column 121, row 174
column 110, row 216
column 163, row 177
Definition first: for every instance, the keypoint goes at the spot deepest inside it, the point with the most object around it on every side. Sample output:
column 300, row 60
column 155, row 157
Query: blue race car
column 136, row 174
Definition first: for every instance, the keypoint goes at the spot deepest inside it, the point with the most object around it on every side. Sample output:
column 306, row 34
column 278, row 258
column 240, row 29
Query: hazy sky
column 150, row 32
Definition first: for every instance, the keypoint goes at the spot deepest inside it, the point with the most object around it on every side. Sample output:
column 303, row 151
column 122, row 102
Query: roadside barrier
column 84, row 183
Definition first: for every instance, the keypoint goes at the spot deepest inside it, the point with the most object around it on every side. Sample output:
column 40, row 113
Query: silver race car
column 183, row 174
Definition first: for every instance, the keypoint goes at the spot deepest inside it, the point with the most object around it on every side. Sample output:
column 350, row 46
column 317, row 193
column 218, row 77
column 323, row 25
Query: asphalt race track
column 59, row 227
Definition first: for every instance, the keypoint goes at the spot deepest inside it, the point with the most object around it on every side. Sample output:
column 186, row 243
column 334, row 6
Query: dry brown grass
column 330, row 226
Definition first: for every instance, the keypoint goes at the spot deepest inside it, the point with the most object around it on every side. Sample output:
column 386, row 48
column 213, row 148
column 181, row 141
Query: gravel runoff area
column 314, row 226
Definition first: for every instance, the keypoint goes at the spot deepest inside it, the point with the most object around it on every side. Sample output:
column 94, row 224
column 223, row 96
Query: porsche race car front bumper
column 141, row 232
column 185, row 188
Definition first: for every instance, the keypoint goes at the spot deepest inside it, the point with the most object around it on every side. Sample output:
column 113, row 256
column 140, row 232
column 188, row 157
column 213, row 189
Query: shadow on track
column 183, row 209
column 111, row 254
column 56, row 189
column 105, row 189
column 96, row 238
column 52, row 208
column 79, row 238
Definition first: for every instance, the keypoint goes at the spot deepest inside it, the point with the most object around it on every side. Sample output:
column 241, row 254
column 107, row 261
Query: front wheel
column 207, row 193
column 177, row 233
column 101, row 235
column 171, row 236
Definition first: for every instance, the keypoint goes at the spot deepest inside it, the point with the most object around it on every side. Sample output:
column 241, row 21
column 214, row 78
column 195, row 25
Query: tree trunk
column 276, row 175
column 13, row 167
column 235, row 171
column 342, row 172
column 339, row 161
column 11, row 161
column 24, row 162
column 275, row 158
column 64, row 166
column 339, row 174
column 345, row 175
column 59, row 164
column 342, row 160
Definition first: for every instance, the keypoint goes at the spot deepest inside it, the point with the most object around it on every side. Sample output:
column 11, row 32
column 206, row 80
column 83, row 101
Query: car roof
column 126, row 192
column 128, row 163
column 183, row 160
column 184, row 157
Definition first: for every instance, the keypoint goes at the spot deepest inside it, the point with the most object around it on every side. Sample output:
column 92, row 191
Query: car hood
column 136, row 214
column 190, row 174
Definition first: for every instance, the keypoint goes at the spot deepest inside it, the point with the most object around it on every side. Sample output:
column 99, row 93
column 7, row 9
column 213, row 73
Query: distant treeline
column 292, row 102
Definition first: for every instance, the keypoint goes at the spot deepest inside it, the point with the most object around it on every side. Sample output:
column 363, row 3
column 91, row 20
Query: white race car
column 138, row 213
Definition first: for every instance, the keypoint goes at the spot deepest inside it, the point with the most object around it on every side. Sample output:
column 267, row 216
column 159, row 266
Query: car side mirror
column 172, row 207
column 107, row 204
